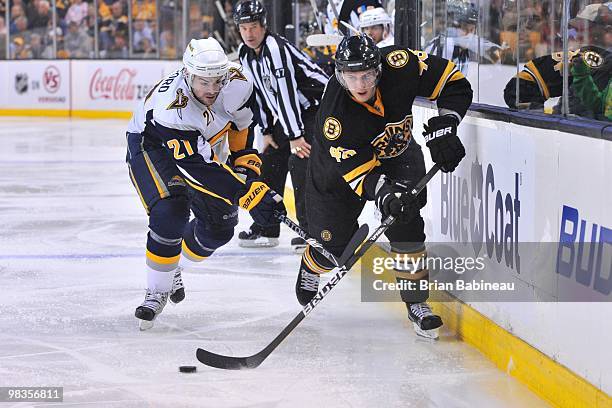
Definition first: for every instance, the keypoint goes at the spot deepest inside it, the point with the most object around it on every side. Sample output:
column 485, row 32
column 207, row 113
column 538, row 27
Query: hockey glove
column 393, row 198
column 246, row 163
column 261, row 203
column 445, row 147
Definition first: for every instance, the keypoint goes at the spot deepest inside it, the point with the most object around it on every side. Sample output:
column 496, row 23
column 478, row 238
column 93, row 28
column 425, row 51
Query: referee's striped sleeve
column 289, row 110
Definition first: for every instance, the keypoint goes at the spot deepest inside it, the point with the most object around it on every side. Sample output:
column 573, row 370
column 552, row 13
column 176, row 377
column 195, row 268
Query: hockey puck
column 187, row 369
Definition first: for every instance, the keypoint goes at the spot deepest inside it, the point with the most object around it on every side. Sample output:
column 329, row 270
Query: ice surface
column 72, row 236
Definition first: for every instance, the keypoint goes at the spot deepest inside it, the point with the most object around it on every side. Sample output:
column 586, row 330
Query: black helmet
column 357, row 53
column 248, row 11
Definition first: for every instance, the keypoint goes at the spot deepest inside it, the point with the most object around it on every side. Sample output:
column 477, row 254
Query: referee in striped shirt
column 289, row 87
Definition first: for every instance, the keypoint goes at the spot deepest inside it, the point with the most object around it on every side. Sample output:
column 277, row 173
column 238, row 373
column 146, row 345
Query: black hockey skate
column 151, row 308
column 178, row 289
column 306, row 286
column 425, row 323
column 256, row 237
column 298, row 244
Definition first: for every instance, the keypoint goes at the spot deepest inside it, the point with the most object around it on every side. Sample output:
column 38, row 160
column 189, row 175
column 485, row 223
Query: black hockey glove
column 393, row 198
column 261, row 202
column 246, row 163
column 445, row 147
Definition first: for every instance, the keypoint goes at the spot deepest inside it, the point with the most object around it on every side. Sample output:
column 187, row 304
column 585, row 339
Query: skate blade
column 432, row 334
column 268, row 243
column 145, row 325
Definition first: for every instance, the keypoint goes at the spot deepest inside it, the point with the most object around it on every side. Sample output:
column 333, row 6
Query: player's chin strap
column 346, row 262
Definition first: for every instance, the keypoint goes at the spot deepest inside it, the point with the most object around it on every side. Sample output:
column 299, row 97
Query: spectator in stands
column 19, row 49
column 42, row 17
column 143, row 10
column 3, row 34
column 77, row 43
column 116, row 21
column 119, row 49
column 146, row 49
column 167, row 44
column 20, row 27
column 77, row 12
column 141, row 30
column 37, row 48
column 16, row 13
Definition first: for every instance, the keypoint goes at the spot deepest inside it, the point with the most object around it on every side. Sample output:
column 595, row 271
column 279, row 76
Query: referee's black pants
column 276, row 163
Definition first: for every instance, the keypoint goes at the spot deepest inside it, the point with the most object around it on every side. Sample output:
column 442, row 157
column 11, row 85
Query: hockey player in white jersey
column 460, row 42
column 377, row 25
column 190, row 148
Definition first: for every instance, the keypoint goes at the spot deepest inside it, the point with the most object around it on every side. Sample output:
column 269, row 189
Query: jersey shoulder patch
column 238, row 89
column 332, row 128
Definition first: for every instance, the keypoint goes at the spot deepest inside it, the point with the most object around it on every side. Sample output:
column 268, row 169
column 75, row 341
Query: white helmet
column 205, row 58
column 373, row 17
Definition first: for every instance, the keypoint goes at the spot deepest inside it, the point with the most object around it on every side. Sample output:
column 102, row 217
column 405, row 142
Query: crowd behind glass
column 501, row 37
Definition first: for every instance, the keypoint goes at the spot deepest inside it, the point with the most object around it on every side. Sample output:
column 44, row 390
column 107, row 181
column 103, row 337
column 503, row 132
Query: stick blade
column 356, row 240
column 323, row 40
column 226, row 362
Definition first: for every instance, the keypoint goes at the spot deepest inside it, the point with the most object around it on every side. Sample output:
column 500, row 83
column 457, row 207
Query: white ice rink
column 72, row 237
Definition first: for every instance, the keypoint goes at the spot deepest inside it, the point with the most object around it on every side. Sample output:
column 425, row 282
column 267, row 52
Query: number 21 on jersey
column 175, row 145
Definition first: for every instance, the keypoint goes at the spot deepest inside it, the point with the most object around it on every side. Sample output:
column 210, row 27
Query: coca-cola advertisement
column 112, row 85
column 119, row 86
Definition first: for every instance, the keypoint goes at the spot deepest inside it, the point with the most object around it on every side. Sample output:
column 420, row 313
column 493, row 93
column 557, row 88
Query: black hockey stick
column 237, row 363
column 317, row 245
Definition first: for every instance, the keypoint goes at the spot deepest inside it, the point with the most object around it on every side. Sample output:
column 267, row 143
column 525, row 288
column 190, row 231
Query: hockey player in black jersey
column 363, row 150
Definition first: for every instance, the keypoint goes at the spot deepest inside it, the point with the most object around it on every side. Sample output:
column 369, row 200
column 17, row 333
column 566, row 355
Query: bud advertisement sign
column 38, row 85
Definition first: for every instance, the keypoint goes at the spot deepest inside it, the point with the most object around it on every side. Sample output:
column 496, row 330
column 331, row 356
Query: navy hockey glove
column 262, row 203
column 393, row 198
column 445, row 147
column 246, row 163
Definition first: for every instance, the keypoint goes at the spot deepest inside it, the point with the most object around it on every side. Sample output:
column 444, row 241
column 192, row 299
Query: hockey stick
column 236, row 363
column 323, row 40
column 317, row 245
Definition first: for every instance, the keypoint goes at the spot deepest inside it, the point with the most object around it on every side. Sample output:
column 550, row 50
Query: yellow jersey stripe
column 144, row 204
column 531, row 68
column 162, row 260
column 312, row 264
column 219, row 134
column 450, row 67
column 456, row 76
column 191, row 254
column 205, row 191
column 524, row 75
column 364, row 168
column 230, row 171
column 159, row 183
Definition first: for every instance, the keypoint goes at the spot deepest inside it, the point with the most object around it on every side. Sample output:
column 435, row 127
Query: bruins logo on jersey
column 326, row 235
column 340, row 153
column 593, row 59
column 397, row 58
column 394, row 140
column 332, row 128
column 180, row 102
